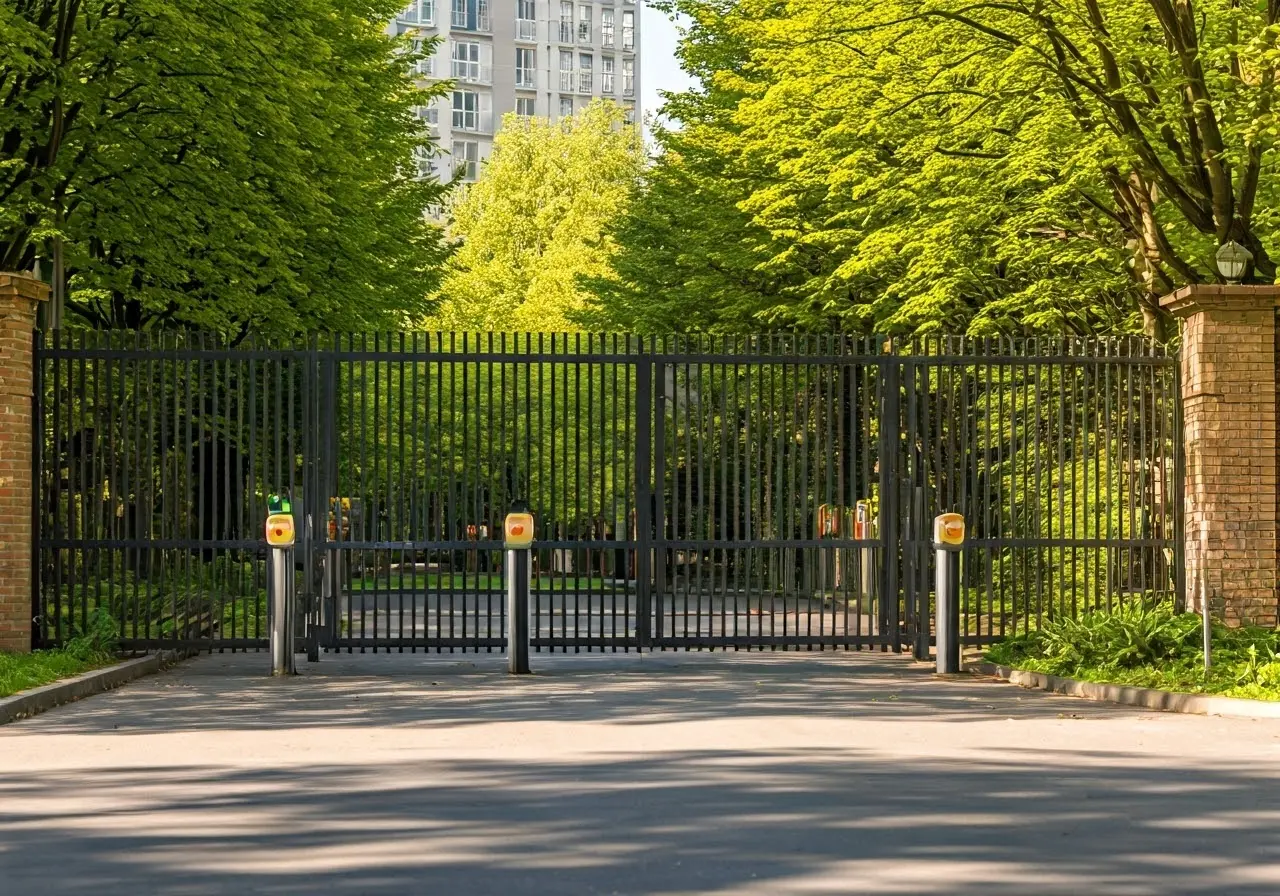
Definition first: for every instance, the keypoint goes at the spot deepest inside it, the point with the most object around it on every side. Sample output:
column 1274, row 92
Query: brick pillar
column 1229, row 400
column 20, row 294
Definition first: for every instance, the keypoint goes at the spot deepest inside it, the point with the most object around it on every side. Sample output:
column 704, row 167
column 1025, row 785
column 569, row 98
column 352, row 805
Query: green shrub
column 1148, row 644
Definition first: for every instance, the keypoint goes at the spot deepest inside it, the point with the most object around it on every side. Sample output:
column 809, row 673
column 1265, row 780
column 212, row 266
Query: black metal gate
column 746, row 493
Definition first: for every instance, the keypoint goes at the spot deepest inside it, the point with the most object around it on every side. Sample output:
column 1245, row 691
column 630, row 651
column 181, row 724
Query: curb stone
column 37, row 700
column 1127, row 695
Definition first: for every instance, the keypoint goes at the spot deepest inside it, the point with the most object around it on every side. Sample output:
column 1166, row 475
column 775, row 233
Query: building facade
column 547, row 58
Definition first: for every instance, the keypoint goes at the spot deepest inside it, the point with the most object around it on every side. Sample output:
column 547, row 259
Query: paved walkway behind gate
column 660, row 774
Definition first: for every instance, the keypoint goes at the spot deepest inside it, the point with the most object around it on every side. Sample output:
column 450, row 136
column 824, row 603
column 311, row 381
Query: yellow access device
column 517, row 531
column 948, row 530
column 280, row 532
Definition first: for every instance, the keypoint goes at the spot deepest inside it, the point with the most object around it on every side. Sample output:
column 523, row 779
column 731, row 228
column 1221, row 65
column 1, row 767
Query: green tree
column 997, row 167
column 534, row 222
column 223, row 166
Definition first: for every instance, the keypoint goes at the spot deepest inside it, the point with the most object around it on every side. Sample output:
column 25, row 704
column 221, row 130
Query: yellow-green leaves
column 534, row 223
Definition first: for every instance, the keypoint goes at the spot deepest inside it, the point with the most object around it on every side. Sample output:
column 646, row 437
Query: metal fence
column 762, row 492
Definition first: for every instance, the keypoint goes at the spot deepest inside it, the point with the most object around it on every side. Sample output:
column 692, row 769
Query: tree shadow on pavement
column 742, row 822
column 232, row 693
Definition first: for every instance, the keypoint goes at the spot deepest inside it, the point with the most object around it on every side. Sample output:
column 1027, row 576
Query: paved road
column 669, row 774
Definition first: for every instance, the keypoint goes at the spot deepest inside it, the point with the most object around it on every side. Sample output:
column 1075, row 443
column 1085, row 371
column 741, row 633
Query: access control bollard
column 518, row 540
column 948, row 542
column 281, row 538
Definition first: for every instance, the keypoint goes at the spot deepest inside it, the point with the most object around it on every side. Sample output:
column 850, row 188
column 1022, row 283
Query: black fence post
column 644, row 501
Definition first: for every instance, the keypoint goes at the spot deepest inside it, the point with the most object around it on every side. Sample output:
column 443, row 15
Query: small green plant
column 97, row 639
column 1147, row 643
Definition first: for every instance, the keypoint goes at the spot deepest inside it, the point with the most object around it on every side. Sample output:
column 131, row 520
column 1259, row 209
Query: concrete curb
column 1147, row 698
column 38, row 700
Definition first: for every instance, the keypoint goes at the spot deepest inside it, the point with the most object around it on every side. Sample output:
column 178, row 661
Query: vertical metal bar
column 1179, row 488
column 891, row 368
column 39, row 624
column 659, row 486
column 443, row 485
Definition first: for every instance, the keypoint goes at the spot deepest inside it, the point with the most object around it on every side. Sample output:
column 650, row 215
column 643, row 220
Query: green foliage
column 96, row 639
column 221, row 166
column 23, row 671
column 179, row 596
column 943, row 165
column 94, row 644
column 535, row 221
column 1149, row 644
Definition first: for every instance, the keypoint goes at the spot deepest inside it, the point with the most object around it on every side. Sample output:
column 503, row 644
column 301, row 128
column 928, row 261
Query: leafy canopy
column 233, row 165
column 535, row 221
column 997, row 167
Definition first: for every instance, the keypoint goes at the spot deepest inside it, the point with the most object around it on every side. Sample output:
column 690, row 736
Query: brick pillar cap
column 26, row 286
column 1221, row 297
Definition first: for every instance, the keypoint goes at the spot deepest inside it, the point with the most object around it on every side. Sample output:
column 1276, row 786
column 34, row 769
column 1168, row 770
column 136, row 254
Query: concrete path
column 667, row 774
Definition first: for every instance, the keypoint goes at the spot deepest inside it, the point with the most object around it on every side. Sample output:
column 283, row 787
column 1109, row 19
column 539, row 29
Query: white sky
column 658, row 67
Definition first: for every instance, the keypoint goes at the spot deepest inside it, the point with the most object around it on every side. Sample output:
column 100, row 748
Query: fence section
column 690, row 493
column 1063, row 457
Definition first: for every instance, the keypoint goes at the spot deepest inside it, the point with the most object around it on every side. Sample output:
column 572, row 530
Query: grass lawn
column 21, row 672
column 457, row 581
column 1150, row 646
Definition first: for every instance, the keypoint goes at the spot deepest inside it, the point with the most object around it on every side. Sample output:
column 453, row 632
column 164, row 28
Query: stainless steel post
column 948, row 541
column 283, row 607
column 519, row 562
column 948, row 612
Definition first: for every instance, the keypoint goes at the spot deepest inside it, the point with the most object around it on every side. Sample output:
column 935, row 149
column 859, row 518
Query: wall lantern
column 1233, row 261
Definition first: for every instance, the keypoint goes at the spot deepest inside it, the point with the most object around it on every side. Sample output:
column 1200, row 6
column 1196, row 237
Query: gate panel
column 438, row 436
column 155, row 459
column 755, row 441
column 1061, row 456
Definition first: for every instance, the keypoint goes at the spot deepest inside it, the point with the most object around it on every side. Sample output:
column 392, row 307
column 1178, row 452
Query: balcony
column 628, row 87
column 471, row 73
column 566, row 82
column 584, row 32
column 629, row 41
column 585, row 82
column 526, row 79
column 473, row 122
column 566, row 32
column 464, row 22
column 606, row 83
column 526, row 30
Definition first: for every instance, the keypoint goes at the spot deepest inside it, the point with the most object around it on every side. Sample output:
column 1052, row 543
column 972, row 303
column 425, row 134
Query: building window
column 628, row 77
column 526, row 66
column 466, row 160
column 629, row 114
column 606, row 74
column 584, row 24
column 526, row 20
column 426, row 65
column 458, row 17
column 466, row 60
column 606, row 28
column 525, row 106
column 420, row 12
column 566, row 106
column 585, row 73
column 468, row 110
column 566, row 21
column 566, row 71
column 628, row 30
column 482, row 16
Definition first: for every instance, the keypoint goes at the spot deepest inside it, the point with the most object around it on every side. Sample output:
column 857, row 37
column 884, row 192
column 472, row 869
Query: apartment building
column 531, row 57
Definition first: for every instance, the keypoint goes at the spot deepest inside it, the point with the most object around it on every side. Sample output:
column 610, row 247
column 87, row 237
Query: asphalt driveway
column 659, row 774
